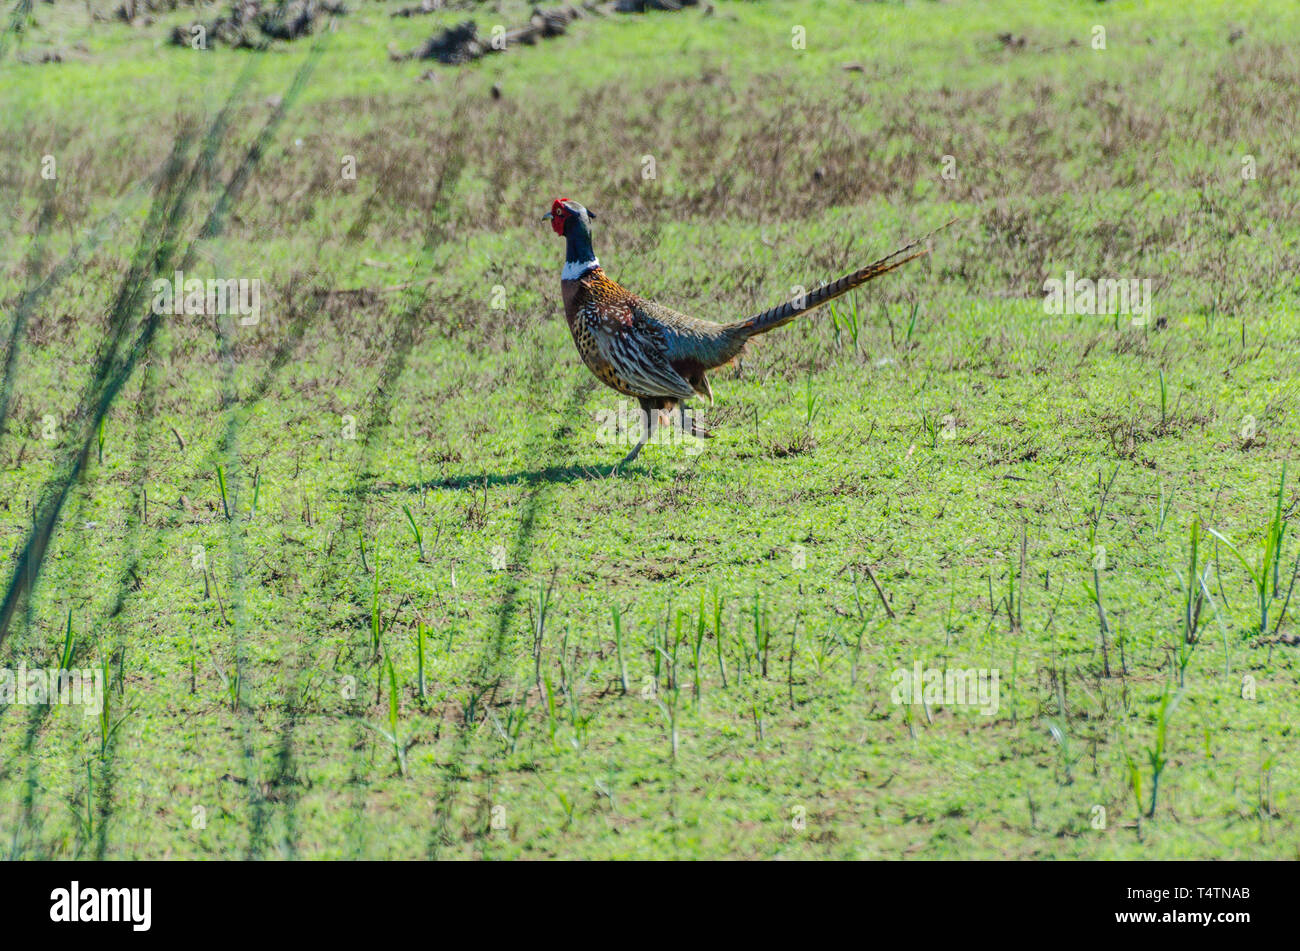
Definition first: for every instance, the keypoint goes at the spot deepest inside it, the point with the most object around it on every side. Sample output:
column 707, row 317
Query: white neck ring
column 575, row 269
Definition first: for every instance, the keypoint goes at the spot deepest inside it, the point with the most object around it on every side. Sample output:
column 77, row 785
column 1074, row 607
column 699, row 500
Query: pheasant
column 641, row 348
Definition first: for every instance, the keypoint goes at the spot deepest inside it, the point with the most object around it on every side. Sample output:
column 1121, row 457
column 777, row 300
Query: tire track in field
column 520, row 555
column 284, row 780
column 398, row 349
column 238, row 418
column 152, row 257
column 375, row 423
column 212, row 228
column 129, row 575
column 165, row 201
column 113, row 369
column 112, row 372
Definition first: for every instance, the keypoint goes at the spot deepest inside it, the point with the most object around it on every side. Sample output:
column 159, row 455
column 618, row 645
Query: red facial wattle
column 558, row 214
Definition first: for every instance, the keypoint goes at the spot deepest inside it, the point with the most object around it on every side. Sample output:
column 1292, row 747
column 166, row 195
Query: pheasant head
column 572, row 222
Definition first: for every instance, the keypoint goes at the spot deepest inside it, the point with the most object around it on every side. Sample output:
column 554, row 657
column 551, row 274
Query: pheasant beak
column 548, row 216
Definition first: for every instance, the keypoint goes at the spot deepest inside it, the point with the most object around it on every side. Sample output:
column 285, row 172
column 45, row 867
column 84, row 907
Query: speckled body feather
column 641, row 348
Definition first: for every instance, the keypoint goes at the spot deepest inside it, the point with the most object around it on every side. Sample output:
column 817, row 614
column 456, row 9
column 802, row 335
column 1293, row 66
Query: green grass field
column 362, row 580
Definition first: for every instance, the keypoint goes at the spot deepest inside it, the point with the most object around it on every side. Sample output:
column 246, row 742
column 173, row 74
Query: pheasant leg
column 648, row 420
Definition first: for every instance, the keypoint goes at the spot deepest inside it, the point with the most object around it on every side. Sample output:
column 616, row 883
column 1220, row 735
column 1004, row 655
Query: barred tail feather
column 782, row 314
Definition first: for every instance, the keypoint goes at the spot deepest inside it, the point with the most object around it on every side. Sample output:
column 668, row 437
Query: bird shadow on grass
column 555, row 474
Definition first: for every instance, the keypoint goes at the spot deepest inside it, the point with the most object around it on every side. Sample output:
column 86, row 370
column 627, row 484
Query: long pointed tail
column 782, row 314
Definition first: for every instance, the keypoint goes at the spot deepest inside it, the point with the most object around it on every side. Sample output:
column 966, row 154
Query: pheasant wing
column 636, row 346
column 687, row 340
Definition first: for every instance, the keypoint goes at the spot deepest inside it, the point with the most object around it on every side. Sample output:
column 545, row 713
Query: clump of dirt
column 251, row 24
column 424, row 6
column 462, row 44
column 641, row 6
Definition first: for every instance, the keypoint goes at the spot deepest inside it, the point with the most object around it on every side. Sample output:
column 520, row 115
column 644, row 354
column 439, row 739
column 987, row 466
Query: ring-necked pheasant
column 643, row 349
